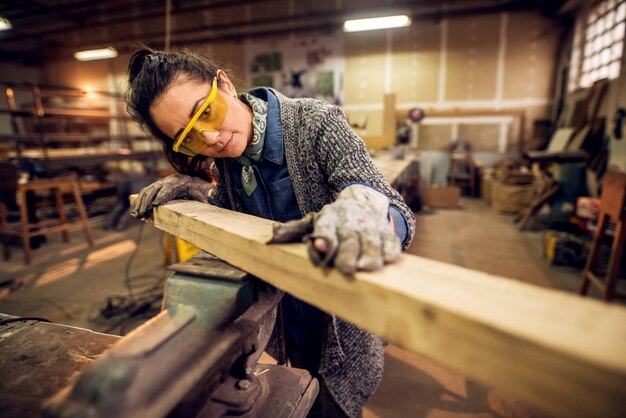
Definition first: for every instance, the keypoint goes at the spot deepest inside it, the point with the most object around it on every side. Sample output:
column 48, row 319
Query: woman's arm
column 354, row 231
column 345, row 161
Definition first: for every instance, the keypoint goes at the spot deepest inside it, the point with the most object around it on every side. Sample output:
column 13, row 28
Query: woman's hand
column 354, row 231
column 177, row 186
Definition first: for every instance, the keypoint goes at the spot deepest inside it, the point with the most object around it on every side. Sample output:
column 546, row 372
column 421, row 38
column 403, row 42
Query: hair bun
column 137, row 62
column 157, row 57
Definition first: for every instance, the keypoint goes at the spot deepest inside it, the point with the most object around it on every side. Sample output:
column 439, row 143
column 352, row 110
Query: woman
column 290, row 160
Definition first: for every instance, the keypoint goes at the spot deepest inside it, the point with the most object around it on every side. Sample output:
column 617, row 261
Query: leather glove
column 177, row 186
column 355, row 229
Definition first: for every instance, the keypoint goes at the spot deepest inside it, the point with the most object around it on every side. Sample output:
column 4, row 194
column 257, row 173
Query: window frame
column 598, row 44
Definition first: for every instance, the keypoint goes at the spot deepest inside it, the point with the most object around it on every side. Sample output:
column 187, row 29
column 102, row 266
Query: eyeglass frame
column 209, row 100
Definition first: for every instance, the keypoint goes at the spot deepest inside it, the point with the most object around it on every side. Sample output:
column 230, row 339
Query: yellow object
column 550, row 242
column 183, row 250
column 208, row 118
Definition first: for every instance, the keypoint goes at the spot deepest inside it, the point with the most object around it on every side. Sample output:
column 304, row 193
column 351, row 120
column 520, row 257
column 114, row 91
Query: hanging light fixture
column 5, row 24
column 376, row 23
column 96, row 54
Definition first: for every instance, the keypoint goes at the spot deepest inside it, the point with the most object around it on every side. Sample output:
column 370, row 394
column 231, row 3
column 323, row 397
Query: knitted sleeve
column 345, row 160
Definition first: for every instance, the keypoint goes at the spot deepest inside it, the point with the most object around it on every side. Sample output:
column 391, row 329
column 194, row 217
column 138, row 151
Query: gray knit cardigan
column 323, row 154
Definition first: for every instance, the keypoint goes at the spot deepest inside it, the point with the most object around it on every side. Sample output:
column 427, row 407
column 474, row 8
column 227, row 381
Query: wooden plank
column 389, row 115
column 529, row 212
column 377, row 142
column 388, row 138
column 555, row 350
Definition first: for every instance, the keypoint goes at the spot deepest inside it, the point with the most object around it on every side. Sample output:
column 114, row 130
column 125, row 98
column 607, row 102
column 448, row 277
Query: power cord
column 124, row 312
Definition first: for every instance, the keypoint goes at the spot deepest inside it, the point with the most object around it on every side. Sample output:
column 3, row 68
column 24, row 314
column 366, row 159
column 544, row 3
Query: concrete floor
column 67, row 283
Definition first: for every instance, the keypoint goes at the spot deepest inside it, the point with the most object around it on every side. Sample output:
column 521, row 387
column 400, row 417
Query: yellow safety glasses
column 208, row 118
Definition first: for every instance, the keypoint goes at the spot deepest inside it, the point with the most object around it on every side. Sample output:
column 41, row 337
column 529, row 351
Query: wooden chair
column 29, row 229
column 612, row 203
column 463, row 172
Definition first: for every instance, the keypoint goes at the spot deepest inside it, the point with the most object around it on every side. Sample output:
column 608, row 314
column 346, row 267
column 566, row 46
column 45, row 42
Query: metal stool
column 49, row 226
column 612, row 202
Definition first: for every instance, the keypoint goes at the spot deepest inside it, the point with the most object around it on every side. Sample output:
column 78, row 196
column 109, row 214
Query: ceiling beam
column 49, row 44
column 43, row 10
column 124, row 18
column 328, row 21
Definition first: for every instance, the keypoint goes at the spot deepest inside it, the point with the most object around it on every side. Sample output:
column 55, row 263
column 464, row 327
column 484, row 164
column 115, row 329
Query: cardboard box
column 511, row 198
column 588, row 208
column 441, row 197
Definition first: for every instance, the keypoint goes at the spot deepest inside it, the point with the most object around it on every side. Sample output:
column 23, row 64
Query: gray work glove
column 177, row 186
column 355, row 230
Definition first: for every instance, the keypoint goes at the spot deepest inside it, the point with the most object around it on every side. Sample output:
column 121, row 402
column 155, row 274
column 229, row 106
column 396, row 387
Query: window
column 598, row 43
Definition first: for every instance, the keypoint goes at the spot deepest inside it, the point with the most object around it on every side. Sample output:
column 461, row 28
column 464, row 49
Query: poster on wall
column 305, row 67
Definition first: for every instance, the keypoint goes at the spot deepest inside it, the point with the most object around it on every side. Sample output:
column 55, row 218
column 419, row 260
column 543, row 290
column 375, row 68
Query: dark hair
column 150, row 74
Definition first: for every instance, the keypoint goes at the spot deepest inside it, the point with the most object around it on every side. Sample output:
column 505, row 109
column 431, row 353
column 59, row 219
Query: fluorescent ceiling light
column 376, row 23
column 96, row 54
column 5, row 24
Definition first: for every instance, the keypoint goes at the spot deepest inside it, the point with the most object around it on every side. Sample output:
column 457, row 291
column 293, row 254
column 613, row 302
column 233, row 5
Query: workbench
column 39, row 358
column 197, row 358
column 397, row 166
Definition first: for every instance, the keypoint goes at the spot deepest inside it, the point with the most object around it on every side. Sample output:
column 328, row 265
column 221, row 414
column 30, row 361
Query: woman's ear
column 225, row 84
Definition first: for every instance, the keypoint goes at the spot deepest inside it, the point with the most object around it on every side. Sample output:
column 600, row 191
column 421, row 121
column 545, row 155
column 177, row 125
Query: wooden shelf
column 60, row 161
column 66, row 138
column 83, row 120
column 66, row 113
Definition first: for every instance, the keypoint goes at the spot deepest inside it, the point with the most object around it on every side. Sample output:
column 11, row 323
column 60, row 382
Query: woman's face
column 174, row 110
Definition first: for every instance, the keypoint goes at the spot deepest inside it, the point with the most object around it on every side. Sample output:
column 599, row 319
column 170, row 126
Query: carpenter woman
column 297, row 162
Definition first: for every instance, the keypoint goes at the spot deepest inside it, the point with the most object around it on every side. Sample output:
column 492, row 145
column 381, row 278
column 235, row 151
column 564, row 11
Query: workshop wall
column 615, row 97
column 102, row 75
column 15, row 73
column 483, row 62
column 110, row 75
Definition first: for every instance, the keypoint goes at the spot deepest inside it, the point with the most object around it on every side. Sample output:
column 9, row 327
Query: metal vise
column 197, row 358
